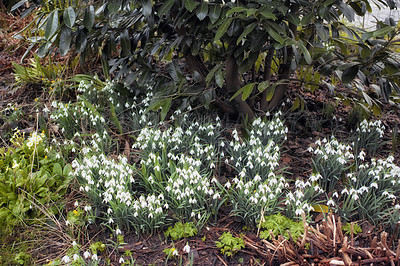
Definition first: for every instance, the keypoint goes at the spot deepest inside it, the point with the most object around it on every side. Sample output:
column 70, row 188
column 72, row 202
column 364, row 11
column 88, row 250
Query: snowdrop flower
column 121, row 260
column 330, row 203
column 86, row 254
column 186, row 248
column 76, row 257
column 66, row 259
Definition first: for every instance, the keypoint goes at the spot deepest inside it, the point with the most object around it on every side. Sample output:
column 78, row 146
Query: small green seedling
column 181, row 230
column 356, row 229
column 279, row 225
column 229, row 244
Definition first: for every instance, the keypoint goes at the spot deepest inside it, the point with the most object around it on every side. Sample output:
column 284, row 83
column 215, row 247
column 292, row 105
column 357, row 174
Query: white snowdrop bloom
column 121, row 260
column 86, row 254
column 66, row 259
column 299, row 212
column 76, row 257
column 330, row 203
column 186, row 248
column 118, row 231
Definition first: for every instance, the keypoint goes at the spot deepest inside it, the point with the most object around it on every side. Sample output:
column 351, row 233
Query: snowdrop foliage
column 178, row 163
column 372, row 191
column 369, row 136
column 305, row 195
column 257, row 190
column 330, row 161
column 109, row 185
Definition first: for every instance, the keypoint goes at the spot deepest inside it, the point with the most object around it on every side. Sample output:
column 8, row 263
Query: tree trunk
column 267, row 76
column 284, row 68
column 232, row 81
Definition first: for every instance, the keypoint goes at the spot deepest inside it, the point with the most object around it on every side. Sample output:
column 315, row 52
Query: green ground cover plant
column 32, row 173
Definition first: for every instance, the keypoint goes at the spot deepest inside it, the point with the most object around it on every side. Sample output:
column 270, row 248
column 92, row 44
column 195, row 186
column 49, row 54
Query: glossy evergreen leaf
column 190, row 4
column 165, row 7
column 69, row 17
column 202, row 11
column 65, row 40
column 349, row 74
column 51, row 25
column 222, row 29
column 214, row 13
column 88, row 19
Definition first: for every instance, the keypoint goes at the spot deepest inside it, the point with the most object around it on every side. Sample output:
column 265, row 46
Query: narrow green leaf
column 51, row 25
column 270, row 93
column 191, row 5
column 210, row 75
column 88, row 19
column 165, row 7
column 349, row 74
column 246, row 31
column 275, row 35
column 165, row 108
column 202, row 11
column 268, row 15
column 263, row 85
column 296, row 104
column 237, row 93
column 69, row 17
column 214, row 13
column 115, row 119
column 382, row 32
column 236, row 9
column 125, row 43
column 219, row 78
column 306, row 53
column 222, row 29
column 80, row 41
column 65, row 40
column 247, row 90
column 147, row 7
column 43, row 49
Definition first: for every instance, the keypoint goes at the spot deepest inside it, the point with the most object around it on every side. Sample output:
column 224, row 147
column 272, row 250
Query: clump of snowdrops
column 330, row 161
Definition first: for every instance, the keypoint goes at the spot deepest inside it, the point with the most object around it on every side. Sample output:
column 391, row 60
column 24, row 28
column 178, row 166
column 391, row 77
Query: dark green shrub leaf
column 349, row 74
column 165, row 7
column 88, row 19
column 247, row 90
column 65, row 40
column 191, row 5
column 222, row 29
column 51, row 25
column 202, row 11
column 43, row 49
column 214, row 13
column 69, row 17
column 81, row 40
column 146, row 7
column 114, row 5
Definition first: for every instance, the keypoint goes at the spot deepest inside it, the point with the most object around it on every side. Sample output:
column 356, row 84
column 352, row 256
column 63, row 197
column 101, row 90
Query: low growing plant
column 356, row 229
column 280, row 225
column 30, row 173
column 330, row 160
column 229, row 244
column 369, row 136
column 181, row 231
